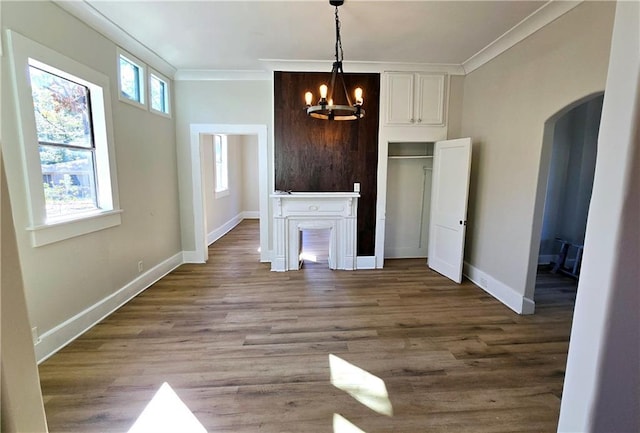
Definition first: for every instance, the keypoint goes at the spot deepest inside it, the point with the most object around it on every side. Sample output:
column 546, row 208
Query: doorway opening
column 570, row 147
column 200, row 236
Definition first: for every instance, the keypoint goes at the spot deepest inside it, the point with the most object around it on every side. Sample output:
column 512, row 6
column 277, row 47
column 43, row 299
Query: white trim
column 192, row 257
column 503, row 293
column 94, row 19
column 55, row 339
column 366, row 262
column 49, row 233
column 544, row 15
column 372, row 67
column 200, row 237
column 223, row 229
column 250, row 215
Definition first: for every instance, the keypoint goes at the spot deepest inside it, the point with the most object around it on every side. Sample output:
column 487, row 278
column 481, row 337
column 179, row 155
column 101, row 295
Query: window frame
column 221, row 191
column 142, row 79
column 167, row 93
column 22, row 53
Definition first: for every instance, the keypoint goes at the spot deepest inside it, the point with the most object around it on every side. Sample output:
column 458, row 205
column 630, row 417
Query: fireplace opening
column 314, row 247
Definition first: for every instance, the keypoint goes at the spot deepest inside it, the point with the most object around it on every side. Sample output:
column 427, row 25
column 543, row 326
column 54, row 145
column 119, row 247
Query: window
column 66, row 143
column 221, row 165
column 158, row 94
column 131, row 78
column 65, row 136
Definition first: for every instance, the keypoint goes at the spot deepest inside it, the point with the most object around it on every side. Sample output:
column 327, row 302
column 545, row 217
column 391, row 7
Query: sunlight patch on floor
column 309, row 257
column 368, row 389
column 166, row 413
column 342, row 425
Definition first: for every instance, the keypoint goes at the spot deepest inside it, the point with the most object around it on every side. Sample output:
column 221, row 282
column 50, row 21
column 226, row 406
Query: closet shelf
column 410, row 156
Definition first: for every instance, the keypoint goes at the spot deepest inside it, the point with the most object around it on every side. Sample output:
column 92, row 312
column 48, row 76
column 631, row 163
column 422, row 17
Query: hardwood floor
column 247, row 350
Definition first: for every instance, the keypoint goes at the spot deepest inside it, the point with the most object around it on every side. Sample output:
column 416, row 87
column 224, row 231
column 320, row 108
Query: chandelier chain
column 339, row 51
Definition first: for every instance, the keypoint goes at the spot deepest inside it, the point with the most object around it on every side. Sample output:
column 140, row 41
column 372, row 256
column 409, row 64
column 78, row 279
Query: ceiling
column 241, row 35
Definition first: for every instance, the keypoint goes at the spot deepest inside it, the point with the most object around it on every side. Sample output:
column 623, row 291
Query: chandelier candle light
column 325, row 109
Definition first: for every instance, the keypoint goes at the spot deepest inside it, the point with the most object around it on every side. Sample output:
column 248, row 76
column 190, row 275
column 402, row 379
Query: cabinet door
column 430, row 99
column 400, row 89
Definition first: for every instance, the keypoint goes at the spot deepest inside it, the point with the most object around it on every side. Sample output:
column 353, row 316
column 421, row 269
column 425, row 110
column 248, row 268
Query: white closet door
column 449, row 195
column 407, row 215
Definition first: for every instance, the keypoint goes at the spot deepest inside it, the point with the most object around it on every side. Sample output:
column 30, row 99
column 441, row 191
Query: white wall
column 506, row 103
column 69, row 278
column 602, row 381
column 215, row 102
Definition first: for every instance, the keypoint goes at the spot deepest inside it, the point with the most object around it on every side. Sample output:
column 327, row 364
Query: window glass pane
column 61, row 109
column 129, row 80
column 68, row 179
column 158, row 94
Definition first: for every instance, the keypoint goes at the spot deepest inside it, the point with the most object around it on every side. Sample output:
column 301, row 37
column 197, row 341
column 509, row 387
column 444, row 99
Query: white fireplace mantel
column 297, row 211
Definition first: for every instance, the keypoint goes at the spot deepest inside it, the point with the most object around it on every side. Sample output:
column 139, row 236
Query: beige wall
column 215, row 102
column 223, row 210
column 68, row 277
column 250, row 199
column 22, row 406
column 505, row 105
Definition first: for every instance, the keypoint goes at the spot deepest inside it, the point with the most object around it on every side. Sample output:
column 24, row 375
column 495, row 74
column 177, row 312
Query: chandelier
column 325, row 109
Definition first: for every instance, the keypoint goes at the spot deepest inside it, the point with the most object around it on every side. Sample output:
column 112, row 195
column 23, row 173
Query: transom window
column 158, row 94
column 131, row 76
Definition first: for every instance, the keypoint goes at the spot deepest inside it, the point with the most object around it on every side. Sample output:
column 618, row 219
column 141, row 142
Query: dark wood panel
column 247, row 350
column 318, row 155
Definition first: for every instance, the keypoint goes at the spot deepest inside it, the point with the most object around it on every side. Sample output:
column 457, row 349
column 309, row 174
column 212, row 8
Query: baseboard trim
column 191, row 257
column 224, row 229
column 55, row 339
column 366, row 262
column 250, row 215
column 502, row 292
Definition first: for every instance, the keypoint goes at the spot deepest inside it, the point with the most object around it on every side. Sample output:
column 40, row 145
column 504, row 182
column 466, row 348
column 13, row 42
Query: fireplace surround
column 298, row 211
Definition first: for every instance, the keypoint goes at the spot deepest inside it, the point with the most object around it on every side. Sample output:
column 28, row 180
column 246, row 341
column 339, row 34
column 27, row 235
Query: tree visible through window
column 66, row 144
column 131, row 80
column 159, row 94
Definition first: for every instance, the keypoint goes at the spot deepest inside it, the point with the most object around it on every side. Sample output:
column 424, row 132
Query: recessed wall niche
column 313, row 155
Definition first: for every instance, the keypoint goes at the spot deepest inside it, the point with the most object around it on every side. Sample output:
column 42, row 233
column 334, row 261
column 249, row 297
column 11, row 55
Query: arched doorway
column 564, row 187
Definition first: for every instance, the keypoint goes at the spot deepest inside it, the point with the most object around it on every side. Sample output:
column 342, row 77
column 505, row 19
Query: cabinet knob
column 419, row 120
column 413, row 121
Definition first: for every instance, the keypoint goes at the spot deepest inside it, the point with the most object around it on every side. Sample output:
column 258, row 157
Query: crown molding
column 94, row 19
column 357, row 66
column 544, row 15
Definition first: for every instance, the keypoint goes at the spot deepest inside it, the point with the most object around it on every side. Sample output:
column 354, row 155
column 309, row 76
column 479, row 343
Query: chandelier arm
column 344, row 86
column 334, row 72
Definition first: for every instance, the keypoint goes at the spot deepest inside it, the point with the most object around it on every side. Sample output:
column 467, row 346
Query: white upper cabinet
column 415, row 98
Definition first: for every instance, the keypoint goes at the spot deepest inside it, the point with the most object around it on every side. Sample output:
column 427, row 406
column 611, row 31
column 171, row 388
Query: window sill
column 138, row 104
column 50, row 233
column 220, row 194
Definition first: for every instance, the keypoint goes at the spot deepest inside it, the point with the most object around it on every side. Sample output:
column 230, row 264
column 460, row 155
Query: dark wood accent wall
column 314, row 155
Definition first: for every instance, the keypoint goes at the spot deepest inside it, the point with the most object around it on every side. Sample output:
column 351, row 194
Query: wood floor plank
column 247, row 350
